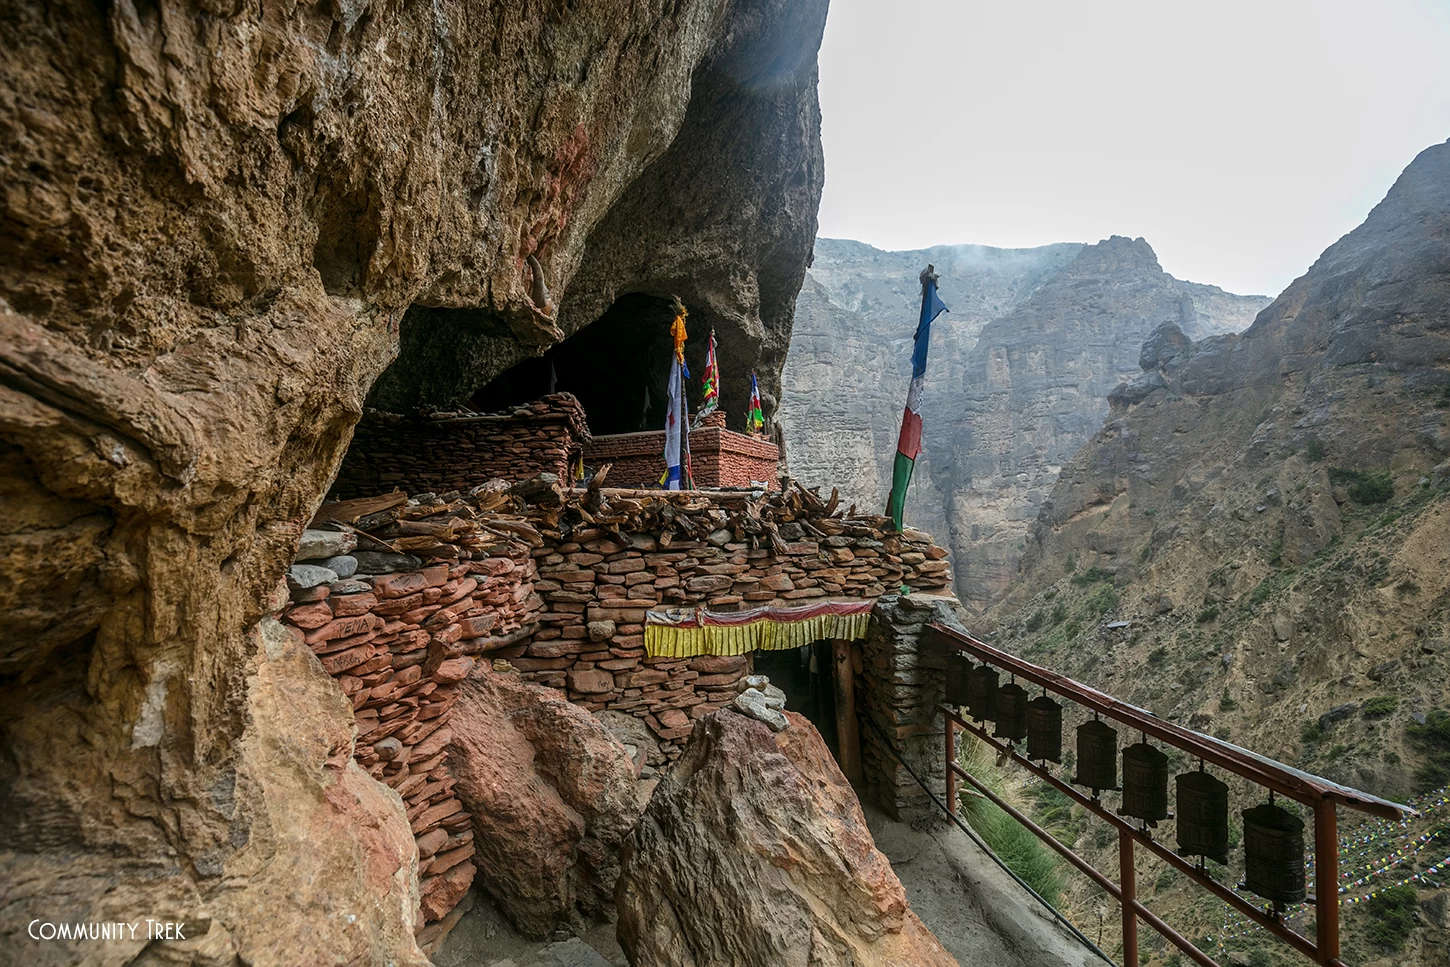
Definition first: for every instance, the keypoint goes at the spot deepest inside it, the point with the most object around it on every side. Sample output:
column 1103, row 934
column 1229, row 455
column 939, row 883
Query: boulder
column 754, row 851
column 317, row 545
column 1162, row 346
column 552, row 794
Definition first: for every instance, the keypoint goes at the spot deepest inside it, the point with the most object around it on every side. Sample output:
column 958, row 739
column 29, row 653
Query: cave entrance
column 618, row 366
column 821, row 686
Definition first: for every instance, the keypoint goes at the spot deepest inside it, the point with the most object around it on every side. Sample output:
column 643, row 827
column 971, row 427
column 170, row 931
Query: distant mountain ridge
column 1017, row 380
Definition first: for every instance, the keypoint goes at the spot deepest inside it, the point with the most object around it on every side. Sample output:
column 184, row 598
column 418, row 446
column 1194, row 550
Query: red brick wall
column 718, row 457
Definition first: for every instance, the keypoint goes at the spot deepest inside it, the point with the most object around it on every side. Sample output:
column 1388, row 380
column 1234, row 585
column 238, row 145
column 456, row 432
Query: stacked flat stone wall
column 901, row 685
column 596, row 592
column 459, row 452
column 401, row 632
column 397, row 644
column 718, row 457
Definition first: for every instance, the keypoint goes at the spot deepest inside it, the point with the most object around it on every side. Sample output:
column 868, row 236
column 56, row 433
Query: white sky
column 1240, row 137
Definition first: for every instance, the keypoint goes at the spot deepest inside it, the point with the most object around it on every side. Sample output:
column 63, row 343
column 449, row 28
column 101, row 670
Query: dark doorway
column 804, row 674
column 618, row 366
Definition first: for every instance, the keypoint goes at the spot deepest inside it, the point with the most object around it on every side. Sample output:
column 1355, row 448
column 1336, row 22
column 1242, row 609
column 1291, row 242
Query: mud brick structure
column 719, row 457
column 443, row 452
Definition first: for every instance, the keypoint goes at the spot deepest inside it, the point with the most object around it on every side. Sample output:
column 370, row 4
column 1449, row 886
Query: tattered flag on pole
column 908, row 445
column 711, row 401
column 677, row 445
column 755, row 419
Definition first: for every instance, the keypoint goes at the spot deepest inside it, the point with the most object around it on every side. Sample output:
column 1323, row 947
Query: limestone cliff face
column 1269, row 510
column 214, row 222
column 1018, row 377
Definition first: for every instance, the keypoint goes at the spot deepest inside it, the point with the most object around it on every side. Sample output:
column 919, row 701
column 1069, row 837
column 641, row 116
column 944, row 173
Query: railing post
column 951, row 744
column 1128, row 881
column 1326, row 881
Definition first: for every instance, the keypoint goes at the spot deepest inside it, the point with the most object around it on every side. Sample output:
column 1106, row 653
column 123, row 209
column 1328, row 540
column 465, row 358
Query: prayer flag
column 712, row 381
column 755, row 419
column 908, row 444
column 677, row 444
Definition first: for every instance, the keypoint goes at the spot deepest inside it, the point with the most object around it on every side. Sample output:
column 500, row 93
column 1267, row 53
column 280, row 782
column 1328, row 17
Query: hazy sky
column 1240, row 138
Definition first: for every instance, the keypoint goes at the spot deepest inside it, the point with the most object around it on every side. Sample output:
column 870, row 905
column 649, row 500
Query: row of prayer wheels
column 1273, row 837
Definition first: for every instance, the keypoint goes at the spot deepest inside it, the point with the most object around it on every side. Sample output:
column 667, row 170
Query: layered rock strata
column 1264, row 516
column 1017, row 379
column 754, row 851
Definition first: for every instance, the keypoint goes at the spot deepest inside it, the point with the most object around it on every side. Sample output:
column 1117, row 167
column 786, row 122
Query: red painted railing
column 1319, row 794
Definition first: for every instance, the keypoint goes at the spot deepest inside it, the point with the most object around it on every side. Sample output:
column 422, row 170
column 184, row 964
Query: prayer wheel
column 1097, row 756
column 1274, row 853
column 982, row 692
column 1145, row 783
column 959, row 666
column 1044, row 730
column 1011, row 713
column 1202, row 815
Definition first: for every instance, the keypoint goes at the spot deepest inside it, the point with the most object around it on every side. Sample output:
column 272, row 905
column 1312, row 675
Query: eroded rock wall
column 215, row 221
column 1268, row 514
column 1017, row 379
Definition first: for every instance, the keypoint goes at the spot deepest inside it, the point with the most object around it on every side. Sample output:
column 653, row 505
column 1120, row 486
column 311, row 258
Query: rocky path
column 977, row 911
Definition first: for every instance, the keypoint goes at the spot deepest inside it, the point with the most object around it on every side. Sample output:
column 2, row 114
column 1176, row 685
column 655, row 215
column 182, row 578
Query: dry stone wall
column 398, row 644
column 451, row 451
column 500, row 576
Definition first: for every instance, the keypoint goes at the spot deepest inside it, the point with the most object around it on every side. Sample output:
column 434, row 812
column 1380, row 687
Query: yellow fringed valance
column 771, row 630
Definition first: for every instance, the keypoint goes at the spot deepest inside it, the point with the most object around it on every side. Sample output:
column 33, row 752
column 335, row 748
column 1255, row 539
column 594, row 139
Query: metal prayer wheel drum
column 1011, row 713
column 1202, row 815
column 1097, row 756
column 1145, row 783
column 959, row 666
column 1044, row 730
column 982, row 692
column 1274, row 854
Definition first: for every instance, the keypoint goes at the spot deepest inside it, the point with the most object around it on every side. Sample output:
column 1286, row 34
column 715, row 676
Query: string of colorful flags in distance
column 1362, row 870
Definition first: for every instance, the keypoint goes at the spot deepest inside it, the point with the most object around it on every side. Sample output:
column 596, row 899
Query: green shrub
column 1310, row 733
column 1364, row 487
column 1059, row 614
column 1092, row 576
column 1034, row 621
column 1407, row 587
column 1207, row 614
column 1392, row 916
column 1276, row 552
column 1433, row 741
column 1020, row 849
column 1158, row 654
column 1101, row 601
column 1313, row 449
column 1379, row 707
column 1226, row 702
column 1072, row 628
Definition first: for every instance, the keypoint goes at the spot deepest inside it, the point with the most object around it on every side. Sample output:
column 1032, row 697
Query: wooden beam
column 848, row 729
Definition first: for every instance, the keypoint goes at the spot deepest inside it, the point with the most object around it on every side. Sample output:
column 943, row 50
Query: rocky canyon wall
column 218, row 226
column 1255, row 542
column 1017, row 379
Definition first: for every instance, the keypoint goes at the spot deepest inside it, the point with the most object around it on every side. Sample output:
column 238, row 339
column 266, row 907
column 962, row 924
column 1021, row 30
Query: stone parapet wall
column 458, row 452
column 397, row 644
column 902, row 683
column 596, row 592
column 547, row 588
